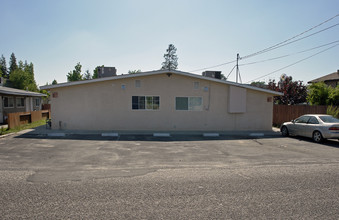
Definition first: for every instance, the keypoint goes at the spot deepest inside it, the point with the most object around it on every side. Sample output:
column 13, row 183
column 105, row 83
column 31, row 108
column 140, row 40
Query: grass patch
column 23, row 127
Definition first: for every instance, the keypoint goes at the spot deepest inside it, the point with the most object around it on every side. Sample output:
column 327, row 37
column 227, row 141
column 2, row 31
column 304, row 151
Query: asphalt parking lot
column 178, row 177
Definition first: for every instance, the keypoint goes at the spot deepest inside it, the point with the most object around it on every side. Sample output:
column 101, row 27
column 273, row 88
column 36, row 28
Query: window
column 146, row 102
column 37, row 102
column 329, row 119
column 302, row 119
column 20, row 102
column 188, row 103
column 137, row 83
column 313, row 120
column 196, row 85
column 8, row 102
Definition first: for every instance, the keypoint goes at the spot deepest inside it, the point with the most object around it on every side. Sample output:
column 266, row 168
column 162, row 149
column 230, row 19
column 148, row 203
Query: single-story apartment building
column 17, row 100
column 162, row 100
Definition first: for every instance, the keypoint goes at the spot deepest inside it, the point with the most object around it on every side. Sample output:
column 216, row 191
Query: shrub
column 333, row 110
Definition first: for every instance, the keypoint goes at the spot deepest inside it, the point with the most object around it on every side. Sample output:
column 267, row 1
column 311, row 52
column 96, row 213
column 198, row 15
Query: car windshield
column 329, row 119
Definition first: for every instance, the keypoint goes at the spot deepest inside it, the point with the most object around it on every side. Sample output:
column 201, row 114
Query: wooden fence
column 46, row 106
column 283, row 113
column 18, row 118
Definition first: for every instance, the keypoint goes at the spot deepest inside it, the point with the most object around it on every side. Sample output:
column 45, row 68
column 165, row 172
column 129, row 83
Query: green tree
column 3, row 67
column 318, row 94
column 133, row 71
column 87, row 75
column 334, row 96
column 54, row 82
column 333, row 110
column 23, row 77
column 19, row 79
column 12, row 64
column 259, row 84
column 294, row 91
column 75, row 75
column 45, row 98
column 171, row 59
column 96, row 72
column 29, row 69
column 21, row 64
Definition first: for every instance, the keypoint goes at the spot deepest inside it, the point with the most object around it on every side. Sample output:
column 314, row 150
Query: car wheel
column 317, row 137
column 284, row 131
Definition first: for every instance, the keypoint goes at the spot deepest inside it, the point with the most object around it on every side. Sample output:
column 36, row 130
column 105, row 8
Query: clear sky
column 134, row 34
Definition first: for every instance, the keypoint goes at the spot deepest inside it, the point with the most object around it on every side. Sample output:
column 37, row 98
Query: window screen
column 188, row 103
column 195, row 103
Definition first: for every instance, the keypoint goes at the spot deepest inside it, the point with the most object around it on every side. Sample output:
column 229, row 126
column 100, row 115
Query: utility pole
column 237, row 71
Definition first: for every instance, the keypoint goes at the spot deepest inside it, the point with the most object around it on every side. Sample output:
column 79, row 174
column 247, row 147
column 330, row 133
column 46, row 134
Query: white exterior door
column 1, row 111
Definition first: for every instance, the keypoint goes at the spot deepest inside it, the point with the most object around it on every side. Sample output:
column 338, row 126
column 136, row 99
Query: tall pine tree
column 171, row 59
column 21, row 75
column 12, row 64
column 3, row 67
column 29, row 69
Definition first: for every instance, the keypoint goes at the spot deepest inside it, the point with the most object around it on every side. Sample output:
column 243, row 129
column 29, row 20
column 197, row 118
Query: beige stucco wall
column 106, row 106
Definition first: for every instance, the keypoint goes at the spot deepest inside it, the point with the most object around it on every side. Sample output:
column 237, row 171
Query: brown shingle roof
column 330, row 77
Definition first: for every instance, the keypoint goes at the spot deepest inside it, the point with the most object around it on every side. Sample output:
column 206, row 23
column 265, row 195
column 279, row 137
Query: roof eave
column 48, row 87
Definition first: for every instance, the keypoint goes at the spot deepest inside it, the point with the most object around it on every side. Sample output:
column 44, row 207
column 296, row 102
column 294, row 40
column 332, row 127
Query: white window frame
column 17, row 103
column 146, row 104
column 8, row 97
column 189, row 108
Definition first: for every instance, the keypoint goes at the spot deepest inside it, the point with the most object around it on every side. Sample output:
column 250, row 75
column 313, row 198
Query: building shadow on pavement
column 42, row 132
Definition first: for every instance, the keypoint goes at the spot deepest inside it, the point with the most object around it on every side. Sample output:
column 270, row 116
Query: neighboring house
column 331, row 79
column 16, row 100
column 160, row 101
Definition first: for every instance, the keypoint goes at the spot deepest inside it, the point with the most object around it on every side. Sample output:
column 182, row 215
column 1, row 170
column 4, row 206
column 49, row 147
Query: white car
column 316, row 126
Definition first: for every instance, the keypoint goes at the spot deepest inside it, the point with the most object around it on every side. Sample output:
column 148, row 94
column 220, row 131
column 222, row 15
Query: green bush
column 333, row 110
column 322, row 94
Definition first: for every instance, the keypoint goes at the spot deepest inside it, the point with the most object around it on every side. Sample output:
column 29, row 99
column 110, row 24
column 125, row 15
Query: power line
column 229, row 62
column 281, row 45
column 287, row 55
column 283, row 42
column 294, row 63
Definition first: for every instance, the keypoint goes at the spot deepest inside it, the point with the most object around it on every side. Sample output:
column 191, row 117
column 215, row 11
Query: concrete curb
column 106, row 134
column 165, row 135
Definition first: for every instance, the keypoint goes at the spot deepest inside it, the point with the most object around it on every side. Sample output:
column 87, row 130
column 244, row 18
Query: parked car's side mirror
column 293, row 121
